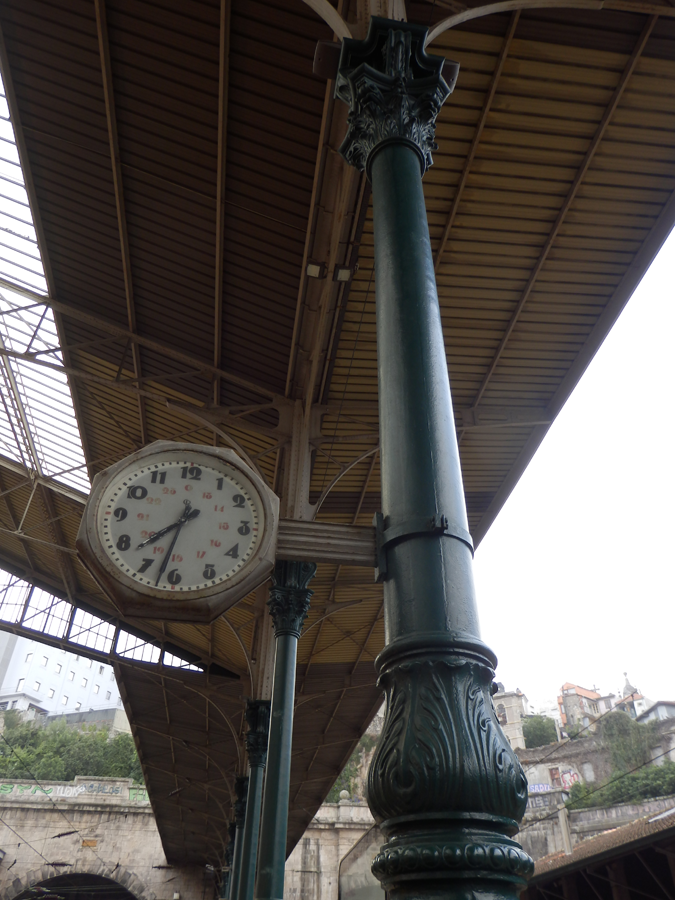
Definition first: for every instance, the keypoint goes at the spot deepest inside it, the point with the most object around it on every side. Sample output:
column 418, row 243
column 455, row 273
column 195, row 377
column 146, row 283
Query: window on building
column 97, row 688
column 501, row 714
column 51, row 693
column 14, row 702
column 36, row 686
column 112, row 676
column 107, row 695
column 119, row 701
column 29, row 656
column 84, row 682
column 58, row 668
column 78, row 706
column 100, row 670
column 64, row 700
column 3, row 705
column 71, row 675
column 89, row 663
column 19, row 686
column 555, row 777
column 44, row 661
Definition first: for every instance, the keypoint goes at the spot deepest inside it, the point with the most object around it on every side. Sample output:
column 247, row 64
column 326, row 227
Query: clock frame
column 134, row 598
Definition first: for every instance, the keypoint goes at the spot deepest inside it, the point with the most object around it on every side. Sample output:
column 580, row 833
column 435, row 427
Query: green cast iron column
column 288, row 604
column 258, row 719
column 224, row 892
column 240, row 790
column 444, row 784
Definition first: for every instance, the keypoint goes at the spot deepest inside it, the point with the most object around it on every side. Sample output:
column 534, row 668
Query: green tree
column 539, row 730
column 629, row 742
column 646, row 783
column 346, row 780
column 57, row 752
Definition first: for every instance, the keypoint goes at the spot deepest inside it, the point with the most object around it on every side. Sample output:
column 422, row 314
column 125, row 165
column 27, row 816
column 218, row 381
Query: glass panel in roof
column 131, row 647
column 47, row 614
column 92, row 632
column 38, row 427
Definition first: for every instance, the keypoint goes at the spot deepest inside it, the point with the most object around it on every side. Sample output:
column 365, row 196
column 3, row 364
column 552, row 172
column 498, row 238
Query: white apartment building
column 46, row 679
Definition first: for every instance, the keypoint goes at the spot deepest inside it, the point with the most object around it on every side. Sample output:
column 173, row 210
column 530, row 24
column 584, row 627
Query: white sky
column 576, row 577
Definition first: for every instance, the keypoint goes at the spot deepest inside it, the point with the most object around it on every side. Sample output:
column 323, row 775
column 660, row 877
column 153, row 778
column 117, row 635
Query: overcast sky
column 575, row 578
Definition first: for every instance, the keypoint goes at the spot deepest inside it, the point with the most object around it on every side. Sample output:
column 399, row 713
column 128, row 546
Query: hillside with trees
column 59, row 752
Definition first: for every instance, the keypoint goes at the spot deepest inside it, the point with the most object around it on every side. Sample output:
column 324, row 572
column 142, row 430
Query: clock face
column 180, row 523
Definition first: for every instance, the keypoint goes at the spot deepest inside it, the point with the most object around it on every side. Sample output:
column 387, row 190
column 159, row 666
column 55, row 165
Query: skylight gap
column 38, row 428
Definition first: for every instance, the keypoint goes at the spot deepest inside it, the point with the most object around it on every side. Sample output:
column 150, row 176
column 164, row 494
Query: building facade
column 44, row 680
column 511, row 708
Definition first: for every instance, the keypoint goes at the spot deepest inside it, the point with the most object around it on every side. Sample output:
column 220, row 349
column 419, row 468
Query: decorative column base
column 445, row 785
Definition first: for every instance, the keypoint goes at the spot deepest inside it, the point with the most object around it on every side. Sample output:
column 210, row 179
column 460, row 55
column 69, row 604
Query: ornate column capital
column 289, row 596
column 394, row 90
column 258, row 719
column 241, row 791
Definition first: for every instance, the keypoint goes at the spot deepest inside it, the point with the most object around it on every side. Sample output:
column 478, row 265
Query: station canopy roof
column 169, row 187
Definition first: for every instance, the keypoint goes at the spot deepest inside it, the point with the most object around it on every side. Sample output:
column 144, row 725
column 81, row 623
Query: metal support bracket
column 415, row 526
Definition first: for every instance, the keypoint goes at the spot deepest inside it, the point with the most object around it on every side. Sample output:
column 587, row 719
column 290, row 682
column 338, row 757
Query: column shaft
column 289, row 603
column 241, row 791
column 445, row 785
column 258, row 718
column 249, row 850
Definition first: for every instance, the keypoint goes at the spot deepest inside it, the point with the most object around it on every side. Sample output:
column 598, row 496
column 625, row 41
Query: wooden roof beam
column 25, row 546
column 108, row 92
column 87, row 318
column 223, row 94
column 569, row 199
column 489, row 97
column 339, row 701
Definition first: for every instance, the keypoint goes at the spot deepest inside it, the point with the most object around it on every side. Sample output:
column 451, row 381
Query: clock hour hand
column 192, row 514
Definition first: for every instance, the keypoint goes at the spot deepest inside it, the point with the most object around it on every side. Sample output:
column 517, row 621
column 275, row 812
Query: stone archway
column 80, row 876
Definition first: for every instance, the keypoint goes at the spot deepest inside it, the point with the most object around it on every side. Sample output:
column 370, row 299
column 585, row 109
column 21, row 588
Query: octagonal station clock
column 179, row 531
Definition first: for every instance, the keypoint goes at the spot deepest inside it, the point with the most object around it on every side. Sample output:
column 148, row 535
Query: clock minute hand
column 186, row 517
column 169, row 551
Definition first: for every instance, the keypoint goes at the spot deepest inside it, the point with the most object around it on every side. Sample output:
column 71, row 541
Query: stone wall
column 100, row 826
column 542, row 835
column 312, row 868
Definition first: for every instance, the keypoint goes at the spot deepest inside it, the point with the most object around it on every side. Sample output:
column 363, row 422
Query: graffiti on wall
column 86, row 790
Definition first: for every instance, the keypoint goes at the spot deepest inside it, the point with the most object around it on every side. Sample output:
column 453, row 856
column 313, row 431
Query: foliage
column 646, row 783
column 57, row 752
column 539, row 730
column 347, row 779
column 628, row 741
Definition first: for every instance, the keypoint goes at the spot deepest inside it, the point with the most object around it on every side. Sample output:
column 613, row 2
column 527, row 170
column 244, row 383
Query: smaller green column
column 241, row 790
column 288, row 604
column 224, row 892
column 258, row 720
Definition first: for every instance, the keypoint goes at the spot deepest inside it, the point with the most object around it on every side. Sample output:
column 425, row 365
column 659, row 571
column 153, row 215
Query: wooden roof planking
column 183, row 172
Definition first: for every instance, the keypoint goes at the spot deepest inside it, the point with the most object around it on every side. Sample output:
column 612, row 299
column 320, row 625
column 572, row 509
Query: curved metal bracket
column 330, row 16
column 477, row 12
